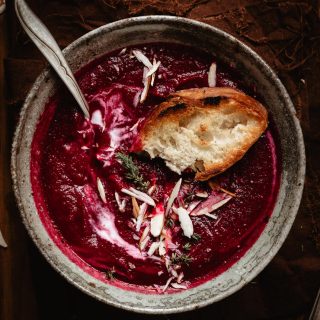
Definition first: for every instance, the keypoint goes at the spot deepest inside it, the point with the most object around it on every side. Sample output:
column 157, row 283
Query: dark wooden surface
column 286, row 34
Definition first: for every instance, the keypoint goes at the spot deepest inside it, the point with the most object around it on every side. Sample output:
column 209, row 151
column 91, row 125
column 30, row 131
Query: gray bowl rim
column 298, row 188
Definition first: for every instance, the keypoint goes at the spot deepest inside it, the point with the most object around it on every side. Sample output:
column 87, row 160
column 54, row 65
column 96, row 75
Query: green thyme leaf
column 187, row 246
column 196, row 237
column 181, row 258
column 133, row 173
column 169, row 223
column 189, row 197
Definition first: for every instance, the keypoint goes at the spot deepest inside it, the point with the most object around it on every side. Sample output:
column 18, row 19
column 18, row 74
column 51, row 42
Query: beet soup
column 93, row 194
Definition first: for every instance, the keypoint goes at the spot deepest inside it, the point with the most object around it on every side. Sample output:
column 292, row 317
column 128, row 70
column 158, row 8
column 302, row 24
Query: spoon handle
column 45, row 42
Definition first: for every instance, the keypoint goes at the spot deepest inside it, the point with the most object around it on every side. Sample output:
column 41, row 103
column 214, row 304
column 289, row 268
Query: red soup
column 80, row 171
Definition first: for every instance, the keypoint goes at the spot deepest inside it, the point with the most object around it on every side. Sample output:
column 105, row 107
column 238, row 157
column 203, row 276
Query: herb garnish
column 181, row 258
column 133, row 173
column 196, row 237
column 189, row 197
column 169, row 223
column 110, row 274
column 187, row 246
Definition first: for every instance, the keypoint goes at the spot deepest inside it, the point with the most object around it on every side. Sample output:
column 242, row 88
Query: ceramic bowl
column 255, row 71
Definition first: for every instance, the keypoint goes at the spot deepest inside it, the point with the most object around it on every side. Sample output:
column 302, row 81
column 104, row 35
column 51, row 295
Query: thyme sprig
column 196, row 237
column 187, row 246
column 181, row 258
column 133, row 174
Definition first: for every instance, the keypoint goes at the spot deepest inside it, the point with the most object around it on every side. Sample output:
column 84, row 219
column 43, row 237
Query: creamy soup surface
column 78, row 178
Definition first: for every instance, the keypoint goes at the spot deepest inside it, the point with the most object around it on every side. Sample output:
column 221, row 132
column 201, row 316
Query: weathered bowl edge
column 294, row 207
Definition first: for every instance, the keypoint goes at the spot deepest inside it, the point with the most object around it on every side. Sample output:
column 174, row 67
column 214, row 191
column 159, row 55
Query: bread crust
column 184, row 103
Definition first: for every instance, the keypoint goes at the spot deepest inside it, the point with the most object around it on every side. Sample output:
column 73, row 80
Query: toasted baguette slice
column 206, row 129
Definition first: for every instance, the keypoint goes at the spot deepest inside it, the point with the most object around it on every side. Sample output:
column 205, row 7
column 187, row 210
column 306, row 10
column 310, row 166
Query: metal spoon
column 44, row 40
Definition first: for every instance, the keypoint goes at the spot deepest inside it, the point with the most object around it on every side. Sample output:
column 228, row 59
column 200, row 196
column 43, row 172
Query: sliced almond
column 154, row 246
column 123, row 51
column 145, row 233
column 228, row 192
column 101, row 190
column 165, row 287
column 142, row 58
column 121, row 204
column 173, row 195
column 139, row 195
column 185, row 222
column 153, row 76
column 162, row 248
column 178, row 286
column 135, row 126
column 193, row 205
column 154, row 68
column 212, row 75
column 202, row 194
column 214, row 202
column 217, row 222
column 135, row 237
column 167, row 262
column 146, row 83
column 135, row 207
column 212, row 216
column 157, row 221
column 142, row 211
column 180, row 277
column 151, row 190
column 174, row 273
column 143, row 243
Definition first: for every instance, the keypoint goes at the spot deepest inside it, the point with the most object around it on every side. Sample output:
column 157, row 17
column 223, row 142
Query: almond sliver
column 165, row 287
column 162, row 248
column 101, row 190
column 146, row 82
column 180, row 277
column 214, row 202
column 142, row 211
column 139, row 195
column 154, row 69
column 145, row 233
column 154, row 246
column 173, row 195
column 142, row 58
column 212, row 75
column 143, row 243
column 185, row 222
column 135, row 207
column 212, row 216
column 121, row 204
column 151, row 190
column 220, row 204
column 157, row 222
column 178, row 286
